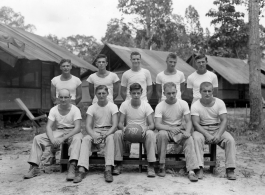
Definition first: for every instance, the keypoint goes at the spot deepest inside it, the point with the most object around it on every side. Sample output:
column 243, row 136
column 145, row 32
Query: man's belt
column 103, row 127
column 66, row 128
column 215, row 124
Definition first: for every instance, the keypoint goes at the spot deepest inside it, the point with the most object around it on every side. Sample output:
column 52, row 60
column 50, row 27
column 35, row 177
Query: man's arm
column 123, row 92
column 116, row 87
column 160, row 126
column 121, row 121
column 215, row 91
column 149, row 92
column 78, row 94
column 159, row 91
column 91, row 90
column 89, row 127
column 53, row 94
column 113, row 127
column 196, row 123
column 187, row 132
column 49, row 131
column 150, row 121
column 222, row 128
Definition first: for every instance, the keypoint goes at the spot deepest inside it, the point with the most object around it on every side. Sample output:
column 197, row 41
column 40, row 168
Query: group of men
column 105, row 123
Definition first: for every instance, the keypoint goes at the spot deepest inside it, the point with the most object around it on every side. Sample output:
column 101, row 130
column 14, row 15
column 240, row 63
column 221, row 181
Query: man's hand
column 97, row 139
column 186, row 134
column 209, row 138
column 144, row 131
column 175, row 130
column 58, row 141
column 216, row 138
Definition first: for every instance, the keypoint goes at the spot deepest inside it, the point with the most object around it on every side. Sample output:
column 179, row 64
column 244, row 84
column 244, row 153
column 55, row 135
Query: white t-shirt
column 172, row 114
column 177, row 78
column 143, row 77
column 102, row 116
column 108, row 81
column 208, row 115
column 136, row 115
column 194, row 81
column 67, row 120
column 71, row 85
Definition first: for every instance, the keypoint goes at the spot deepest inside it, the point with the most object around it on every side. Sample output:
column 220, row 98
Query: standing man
column 170, row 75
column 66, row 81
column 136, row 111
column 168, row 121
column 101, row 123
column 209, row 117
column 68, row 121
column 139, row 75
column 103, row 77
column 201, row 75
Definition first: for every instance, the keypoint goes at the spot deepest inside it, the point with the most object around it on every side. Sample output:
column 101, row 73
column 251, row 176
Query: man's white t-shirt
column 67, row 120
column 172, row 114
column 194, row 81
column 108, row 81
column 177, row 78
column 102, row 116
column 143, row 77
column 209, row 115
column 71, row 85
column 136, row 115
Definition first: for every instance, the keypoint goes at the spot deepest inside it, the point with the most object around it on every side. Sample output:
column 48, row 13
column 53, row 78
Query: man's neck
column 102, row 71
column 66, row 75
column 136, row 69
column 207, row 102
column 136, row 103
column 171, row 102
column 64, row 107
column 201, row 72
column 102, row 103
column 170, row 71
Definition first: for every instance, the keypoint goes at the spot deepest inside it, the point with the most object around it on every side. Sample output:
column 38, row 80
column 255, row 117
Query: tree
column 231, row 32
column 254, row 66
column 9, row 17
column 150, row 15
column 119, row 33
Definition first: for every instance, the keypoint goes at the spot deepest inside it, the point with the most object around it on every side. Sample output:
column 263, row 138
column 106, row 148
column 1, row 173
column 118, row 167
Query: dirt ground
column 14, row 151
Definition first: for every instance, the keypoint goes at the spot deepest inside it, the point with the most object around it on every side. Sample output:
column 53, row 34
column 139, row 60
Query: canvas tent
column 28, row 62
column 119, row 61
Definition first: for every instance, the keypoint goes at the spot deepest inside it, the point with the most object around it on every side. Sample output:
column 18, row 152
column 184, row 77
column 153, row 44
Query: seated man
column 168, row 120
column 209, row 117
column 136, row 111
column 68, row 122
column 101, row 123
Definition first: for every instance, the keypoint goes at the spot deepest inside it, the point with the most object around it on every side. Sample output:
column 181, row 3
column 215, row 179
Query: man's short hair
column 64, row 60
column 205, row 84
column 135, row 53
column 101, row 56
column 173, row 56
column 200, row 56
column 135, row 86
column 169, row 84
column 102, row 87
column 64, row 89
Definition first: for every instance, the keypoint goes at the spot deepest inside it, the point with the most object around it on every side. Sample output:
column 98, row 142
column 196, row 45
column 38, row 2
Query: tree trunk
column 254, row 66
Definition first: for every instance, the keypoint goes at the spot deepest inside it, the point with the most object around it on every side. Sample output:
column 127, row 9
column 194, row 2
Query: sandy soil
column 14, row 153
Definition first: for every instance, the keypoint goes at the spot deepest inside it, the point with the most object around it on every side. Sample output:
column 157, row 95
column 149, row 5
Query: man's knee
column 197, row 136
column 87, row 138
column 110, row 138
column 117, row 134
column 162, row 135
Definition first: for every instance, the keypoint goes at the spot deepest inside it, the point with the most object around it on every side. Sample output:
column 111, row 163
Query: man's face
column 136, row 60
column 66, row 67
column 136, row 94
column 201, row 64
column 171, row 63
column 207, row 92
column 64, row 97
column 101, row 63
column 170, row 93
column 101, row 95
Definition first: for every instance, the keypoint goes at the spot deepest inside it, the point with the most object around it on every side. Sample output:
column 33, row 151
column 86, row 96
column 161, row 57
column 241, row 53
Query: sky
column 89, row 17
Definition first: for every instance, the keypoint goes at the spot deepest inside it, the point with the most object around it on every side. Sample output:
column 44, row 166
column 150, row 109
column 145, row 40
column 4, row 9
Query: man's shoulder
column 112, row 105
column 75, row 108
column 54, row 108
column 182, row 102
column 75, row 78
column 160, row 74
column 219, row 101
column 57, row 78
column 210, row 73
column 192, row 75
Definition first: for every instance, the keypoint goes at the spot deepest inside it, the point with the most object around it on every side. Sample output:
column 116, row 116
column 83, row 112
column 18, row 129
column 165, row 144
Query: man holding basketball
column 135, row 111
column 168, row 120
column 101, row 123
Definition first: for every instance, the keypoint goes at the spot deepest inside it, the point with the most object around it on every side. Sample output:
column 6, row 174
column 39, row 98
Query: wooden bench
column 141, row 160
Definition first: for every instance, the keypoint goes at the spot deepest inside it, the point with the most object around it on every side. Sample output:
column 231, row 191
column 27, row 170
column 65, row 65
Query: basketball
column 133, row 133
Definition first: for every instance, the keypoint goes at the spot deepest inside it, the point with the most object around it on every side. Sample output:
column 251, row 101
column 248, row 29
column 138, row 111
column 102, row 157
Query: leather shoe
column 108, row 176
column 230, row 174
column 162, row 172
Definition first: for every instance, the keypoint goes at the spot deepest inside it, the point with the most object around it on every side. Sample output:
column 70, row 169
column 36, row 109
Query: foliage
column 119, row 33
column 9, row 17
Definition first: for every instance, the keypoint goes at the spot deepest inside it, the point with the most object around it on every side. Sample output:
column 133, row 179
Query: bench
column 141, row 160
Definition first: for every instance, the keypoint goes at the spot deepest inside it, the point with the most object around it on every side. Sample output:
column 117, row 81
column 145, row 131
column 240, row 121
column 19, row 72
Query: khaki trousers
column 227, row 143
column 163, row 137
column 41, row 141
column 87, row 147
column 150, row 145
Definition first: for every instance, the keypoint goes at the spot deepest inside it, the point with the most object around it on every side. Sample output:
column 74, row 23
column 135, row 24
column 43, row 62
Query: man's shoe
column 150, row 172
column 162, row 172
column 192, row 177
column 108, row 176
column 80, row 176
column 230, row 174
column 33, row 172
column 71, row 173
column 116, row 170
column 199, row 173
